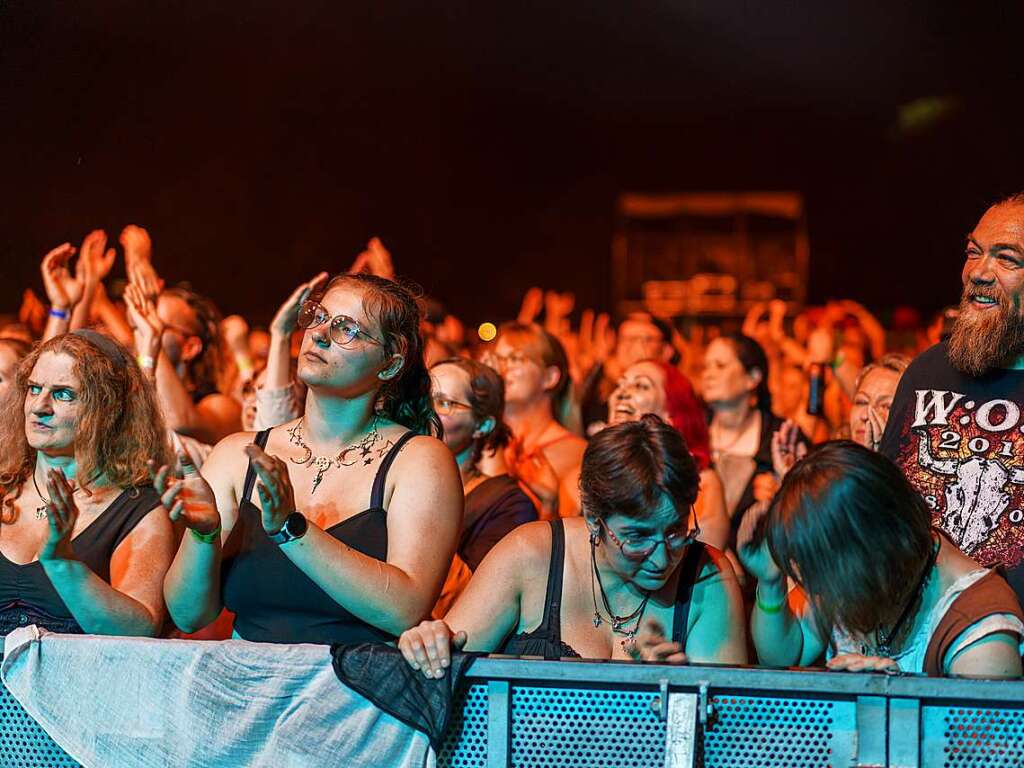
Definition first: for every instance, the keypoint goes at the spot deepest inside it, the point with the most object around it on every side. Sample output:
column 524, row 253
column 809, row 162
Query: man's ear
column 393, row 367
column 191, row 349
column 552, row 377
column 485, row 427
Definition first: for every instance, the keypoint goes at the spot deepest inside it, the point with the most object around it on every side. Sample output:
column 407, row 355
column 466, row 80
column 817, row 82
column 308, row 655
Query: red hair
column 686, row 414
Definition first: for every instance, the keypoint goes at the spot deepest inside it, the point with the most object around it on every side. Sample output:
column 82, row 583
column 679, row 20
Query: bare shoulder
column 422, row 448
column 527, row 548
column 716, row 569
column 566, row 452
column 228, row 457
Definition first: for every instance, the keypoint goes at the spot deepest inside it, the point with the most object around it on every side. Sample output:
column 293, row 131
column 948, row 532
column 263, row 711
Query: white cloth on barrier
column 111, row 701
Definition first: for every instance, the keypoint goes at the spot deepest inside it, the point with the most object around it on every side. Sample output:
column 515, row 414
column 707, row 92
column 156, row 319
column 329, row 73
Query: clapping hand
column 63, row 290
column 277, row 499
column 138, row 259
column 62, row 514
column 95, row 260
column 188, row 497
column 787, row 449
column 145, row 322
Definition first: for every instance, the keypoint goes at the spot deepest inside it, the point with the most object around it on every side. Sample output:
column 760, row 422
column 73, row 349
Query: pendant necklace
column 347, row 456
column 41, row 511
column 620, row 624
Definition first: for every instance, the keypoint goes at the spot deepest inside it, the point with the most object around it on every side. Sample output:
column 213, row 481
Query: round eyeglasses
column 343, row 329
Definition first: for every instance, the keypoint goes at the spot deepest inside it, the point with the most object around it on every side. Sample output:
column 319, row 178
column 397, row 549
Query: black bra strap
column 250, row 472
column 377, row 494
column 688, row 572
column 551, row 624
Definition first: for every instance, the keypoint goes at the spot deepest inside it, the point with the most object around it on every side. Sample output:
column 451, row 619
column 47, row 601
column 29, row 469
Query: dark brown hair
column 848, row 527
column 404, row 399
column 551, row 353
column 205, row 370
column 628, row 467
column 751, row 355
column 487, row 398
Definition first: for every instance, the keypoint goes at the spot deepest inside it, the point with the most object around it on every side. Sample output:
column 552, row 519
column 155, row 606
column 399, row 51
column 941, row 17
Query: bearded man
column 956, row 426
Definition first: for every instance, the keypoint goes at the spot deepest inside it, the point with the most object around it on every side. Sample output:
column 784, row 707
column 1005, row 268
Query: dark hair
column 751, row 355
column 552, row 354
column 487, row 397
column 404, row 399
column 848, row 527
column 206, row 369
column 628, row 467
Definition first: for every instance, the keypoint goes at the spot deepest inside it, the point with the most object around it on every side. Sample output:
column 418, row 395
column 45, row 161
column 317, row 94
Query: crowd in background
column 367, row 468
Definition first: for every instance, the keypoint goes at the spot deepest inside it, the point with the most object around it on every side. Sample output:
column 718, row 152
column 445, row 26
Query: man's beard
column 985, row 339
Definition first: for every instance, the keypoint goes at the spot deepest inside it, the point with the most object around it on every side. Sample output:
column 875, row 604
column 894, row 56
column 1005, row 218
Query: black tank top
column 26, row 594
column 272, row 599
column 546, row 640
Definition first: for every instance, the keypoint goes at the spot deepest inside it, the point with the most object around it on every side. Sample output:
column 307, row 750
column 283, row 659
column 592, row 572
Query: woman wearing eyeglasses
column 585, row 586
column 469, row 398
column 314, row 531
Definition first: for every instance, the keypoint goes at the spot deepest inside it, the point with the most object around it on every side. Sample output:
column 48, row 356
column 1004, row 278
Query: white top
column 911, row 657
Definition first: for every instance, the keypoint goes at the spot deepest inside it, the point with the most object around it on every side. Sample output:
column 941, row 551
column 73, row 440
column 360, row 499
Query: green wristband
column 766, row 608
column 206, row 538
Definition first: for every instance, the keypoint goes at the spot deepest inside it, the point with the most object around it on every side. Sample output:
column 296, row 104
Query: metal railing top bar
column 797, row 681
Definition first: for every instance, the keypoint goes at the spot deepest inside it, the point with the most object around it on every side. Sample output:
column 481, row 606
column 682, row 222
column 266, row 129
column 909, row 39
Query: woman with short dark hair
column 584, row 586
column 878, row 587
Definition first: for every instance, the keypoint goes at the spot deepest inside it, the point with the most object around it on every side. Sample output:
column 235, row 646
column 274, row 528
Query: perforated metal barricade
column 23, row 744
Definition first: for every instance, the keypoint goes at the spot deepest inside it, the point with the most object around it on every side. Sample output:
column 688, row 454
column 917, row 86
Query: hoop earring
column 595, row 539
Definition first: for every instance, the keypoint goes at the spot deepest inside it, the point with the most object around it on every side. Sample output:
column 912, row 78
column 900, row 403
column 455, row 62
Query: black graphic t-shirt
column 960, row 441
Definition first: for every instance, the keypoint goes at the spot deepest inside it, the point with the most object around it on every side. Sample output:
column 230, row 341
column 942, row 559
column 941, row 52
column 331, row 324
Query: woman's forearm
column 776, row 632
column 279, row 362
column 98, row 608
column 192, row 585
column 379, row 593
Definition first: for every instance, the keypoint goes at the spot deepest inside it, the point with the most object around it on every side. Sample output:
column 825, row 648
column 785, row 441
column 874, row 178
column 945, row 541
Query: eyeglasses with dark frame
column 343, row 329
column 641, row 547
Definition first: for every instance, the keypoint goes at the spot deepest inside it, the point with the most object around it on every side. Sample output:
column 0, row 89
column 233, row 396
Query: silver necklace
column 347, row 456
column 41, row 511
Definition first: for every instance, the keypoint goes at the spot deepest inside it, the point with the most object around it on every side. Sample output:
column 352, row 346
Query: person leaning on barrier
column 84, row 541
column 584, row 586
column 314, row 563
column 878, row 589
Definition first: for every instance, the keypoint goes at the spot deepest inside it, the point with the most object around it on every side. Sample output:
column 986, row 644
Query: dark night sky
column 486, row 142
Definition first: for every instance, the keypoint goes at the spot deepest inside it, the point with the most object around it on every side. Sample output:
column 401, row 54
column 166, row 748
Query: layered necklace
column 621, row 625
column 362, row 450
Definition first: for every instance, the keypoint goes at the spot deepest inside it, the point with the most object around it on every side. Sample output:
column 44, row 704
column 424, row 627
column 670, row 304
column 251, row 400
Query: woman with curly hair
column 84, row 541
column 313, row 531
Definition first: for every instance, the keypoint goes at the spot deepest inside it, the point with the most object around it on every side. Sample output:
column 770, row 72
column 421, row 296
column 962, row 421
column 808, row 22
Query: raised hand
column 596, row 340
column 138, row 260
column 188, row 498
column 32, row 312
column 286, row 319
column 62, row 514
column 146, row 324
column 752, row 549
column 787, row 449
column 95, row 260
column 63, row 290
column 428, row 647
column 277, row 499
column 874, row 429
column 557, row 307
column 652, row 644
column 376, row 260
column 533, row 302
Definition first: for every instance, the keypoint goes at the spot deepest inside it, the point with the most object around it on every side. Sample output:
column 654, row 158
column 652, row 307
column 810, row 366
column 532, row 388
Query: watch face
column 296, row 525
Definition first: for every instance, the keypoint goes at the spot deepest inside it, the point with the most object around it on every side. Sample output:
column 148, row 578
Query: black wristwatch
column 294, row 527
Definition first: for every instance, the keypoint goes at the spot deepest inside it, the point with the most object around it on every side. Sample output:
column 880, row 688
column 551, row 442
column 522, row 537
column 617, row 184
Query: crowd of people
column 809, row 488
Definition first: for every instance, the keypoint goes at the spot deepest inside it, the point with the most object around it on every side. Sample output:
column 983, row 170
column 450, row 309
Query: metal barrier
column 535, row 714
